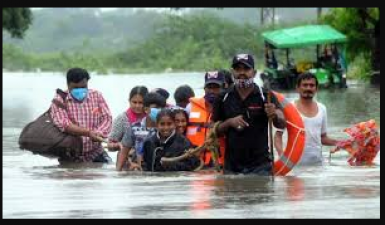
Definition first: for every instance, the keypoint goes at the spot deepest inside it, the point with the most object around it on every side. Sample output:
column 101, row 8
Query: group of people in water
column 234, row 108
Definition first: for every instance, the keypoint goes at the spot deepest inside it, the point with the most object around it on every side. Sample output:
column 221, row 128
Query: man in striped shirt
column 86, row 115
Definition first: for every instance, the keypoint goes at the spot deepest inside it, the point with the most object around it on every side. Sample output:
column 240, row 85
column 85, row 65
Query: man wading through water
column 244, row 114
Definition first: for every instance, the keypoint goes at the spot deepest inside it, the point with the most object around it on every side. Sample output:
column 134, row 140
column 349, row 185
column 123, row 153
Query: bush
column 360, row 67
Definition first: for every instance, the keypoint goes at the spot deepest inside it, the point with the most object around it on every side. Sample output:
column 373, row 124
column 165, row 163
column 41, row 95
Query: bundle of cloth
column 362, row 145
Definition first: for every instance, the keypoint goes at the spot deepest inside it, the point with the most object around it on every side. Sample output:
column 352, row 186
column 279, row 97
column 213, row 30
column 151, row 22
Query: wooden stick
column 330, row 157
column 271, row 135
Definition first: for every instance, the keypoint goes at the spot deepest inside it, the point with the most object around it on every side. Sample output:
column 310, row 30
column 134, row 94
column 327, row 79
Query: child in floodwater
column 139, row 131
column 167, row 142
column 181, row 120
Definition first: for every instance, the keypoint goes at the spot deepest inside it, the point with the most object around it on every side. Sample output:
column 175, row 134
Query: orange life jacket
column 198, row 128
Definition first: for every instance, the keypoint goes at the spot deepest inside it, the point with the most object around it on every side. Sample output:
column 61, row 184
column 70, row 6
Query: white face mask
column 244, row 83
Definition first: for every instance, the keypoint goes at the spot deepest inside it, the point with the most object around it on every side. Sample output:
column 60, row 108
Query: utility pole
column 267, row 16
column 319, row 14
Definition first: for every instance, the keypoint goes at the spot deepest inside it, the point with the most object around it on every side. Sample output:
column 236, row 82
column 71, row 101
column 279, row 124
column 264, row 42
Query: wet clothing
column 175, row 145
column 121, row 125
column 136, row 135
column 92, row 113
column 315, row 127
column 198, row 129
column 247, row 149
column 103, row 157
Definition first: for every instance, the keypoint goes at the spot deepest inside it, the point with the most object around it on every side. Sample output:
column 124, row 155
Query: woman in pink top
column 135, row 113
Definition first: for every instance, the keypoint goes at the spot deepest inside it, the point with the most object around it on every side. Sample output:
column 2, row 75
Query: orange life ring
column 296, row 138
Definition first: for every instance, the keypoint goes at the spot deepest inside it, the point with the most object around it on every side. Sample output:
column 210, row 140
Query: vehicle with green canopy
column 330, row 65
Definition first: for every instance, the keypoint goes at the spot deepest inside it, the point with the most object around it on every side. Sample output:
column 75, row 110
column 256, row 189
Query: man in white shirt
column 314, row 116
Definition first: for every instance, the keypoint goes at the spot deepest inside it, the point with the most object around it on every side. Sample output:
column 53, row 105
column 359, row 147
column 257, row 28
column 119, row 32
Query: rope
column 211, row 143
column 295, row 126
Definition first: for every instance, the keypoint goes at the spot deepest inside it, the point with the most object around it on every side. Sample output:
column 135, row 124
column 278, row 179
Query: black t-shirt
column 248, row 148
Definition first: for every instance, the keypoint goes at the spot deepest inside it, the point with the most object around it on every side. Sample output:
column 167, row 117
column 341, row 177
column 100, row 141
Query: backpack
column 43, row 137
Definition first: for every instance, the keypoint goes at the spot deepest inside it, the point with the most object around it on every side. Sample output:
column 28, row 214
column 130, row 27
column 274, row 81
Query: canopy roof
column 304, row 36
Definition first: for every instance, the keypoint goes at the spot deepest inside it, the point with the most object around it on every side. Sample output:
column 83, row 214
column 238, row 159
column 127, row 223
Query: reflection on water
column 38, row 187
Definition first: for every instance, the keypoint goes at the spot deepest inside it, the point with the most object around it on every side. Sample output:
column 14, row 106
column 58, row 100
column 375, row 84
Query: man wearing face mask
column 87, row 115
column 200, row 111
column 244, row 114
column 135, row 137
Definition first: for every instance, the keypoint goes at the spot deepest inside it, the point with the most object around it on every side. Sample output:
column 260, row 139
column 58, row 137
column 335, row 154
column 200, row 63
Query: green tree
column 362, row 26
column 16, row 20
column 193, row 42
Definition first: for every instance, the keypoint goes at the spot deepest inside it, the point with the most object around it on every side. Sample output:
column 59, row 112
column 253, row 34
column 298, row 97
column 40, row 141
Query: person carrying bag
column 43, row 137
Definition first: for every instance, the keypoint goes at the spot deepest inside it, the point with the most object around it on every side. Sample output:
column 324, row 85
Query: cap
column 245, row 59
column 214, row 77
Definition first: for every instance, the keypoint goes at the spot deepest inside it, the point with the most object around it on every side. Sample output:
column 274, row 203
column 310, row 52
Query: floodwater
column 38, row 187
